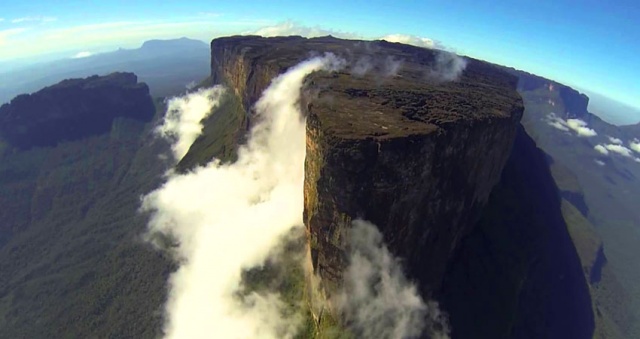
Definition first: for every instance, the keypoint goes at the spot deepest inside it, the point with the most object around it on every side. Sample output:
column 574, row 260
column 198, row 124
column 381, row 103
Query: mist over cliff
column 227, row 218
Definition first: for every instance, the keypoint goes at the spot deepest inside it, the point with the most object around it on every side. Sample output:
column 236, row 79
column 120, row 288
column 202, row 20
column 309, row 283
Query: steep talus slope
column 73, row 109
column 72, row 260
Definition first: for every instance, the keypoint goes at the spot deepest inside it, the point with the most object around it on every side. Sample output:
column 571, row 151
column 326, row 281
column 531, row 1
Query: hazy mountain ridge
column 167, row 66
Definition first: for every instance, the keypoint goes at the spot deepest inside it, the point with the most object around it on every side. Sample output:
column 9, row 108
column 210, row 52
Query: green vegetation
column 73, row 261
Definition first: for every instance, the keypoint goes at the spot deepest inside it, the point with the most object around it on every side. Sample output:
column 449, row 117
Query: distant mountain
column 167, row 66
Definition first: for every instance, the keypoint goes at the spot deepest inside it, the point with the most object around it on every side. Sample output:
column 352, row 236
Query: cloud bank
column 227, row 218
column 183, row 122
column 39, row 19
column 576, row 125
column 378, row 301
column 410, row 40
column 289, row 28
column 601, row 149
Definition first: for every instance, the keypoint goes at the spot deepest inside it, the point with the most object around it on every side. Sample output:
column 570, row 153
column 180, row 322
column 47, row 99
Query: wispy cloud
column 289, row 28
column 183, row 122
column 635, row 145
column 40, row 19
column 578, row 126
column 83, row 54
column 599, row 162
column 615, row 140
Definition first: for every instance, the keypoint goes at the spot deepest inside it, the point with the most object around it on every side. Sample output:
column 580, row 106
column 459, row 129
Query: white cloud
column 614, row 140
column 377, row 300
column 448, row 66
column 619, row 149
column 41, row 19
column 576, row 125
column 227, row 218
column 601, row 149
column 580, row 127
column 410, row 40
column 637, row 159
column 183, row 122
column 289, row 28
column 599, row 162
column 635, row 145
column 81, row 55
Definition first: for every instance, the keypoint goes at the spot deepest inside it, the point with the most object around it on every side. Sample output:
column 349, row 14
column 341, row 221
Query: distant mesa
column 74, row 109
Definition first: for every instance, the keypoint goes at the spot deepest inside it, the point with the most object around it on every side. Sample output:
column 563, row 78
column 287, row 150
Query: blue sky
column 590, row 44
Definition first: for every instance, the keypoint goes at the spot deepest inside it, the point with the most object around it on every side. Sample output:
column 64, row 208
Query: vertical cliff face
column 421, row 183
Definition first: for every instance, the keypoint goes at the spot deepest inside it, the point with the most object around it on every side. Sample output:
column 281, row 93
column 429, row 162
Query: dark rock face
column 413, row 154
column 419, row 162
column 74, row 109
column 517, row 275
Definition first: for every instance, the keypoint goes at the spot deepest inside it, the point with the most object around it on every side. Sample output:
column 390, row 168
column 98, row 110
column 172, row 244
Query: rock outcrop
column 74, row 109
column 393, row 140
